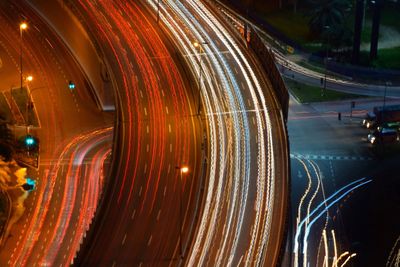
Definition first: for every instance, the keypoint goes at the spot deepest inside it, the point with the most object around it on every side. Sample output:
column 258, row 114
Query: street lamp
column 28, row 102
column 182, row 170
column 200, row 47
column 23, row 26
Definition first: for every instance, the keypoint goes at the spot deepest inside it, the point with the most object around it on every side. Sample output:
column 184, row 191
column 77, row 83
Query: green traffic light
column 29, row 141
column 71, row 85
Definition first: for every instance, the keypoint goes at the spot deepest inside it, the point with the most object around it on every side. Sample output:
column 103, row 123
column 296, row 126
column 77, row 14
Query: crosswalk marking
column 328, row 157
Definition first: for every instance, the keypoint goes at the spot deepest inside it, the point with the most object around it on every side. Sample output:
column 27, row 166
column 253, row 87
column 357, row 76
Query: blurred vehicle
column 381, row 115
column 390, row 125
column 383, row 136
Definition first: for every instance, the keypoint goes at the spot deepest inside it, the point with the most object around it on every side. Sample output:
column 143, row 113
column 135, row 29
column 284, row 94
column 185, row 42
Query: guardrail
column 62, row 19
column 267, row 59
column 264, row 54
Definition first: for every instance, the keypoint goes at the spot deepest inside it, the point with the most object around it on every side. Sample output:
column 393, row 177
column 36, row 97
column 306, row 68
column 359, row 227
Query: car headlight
column 368, row 124
column 373, row 139
column 364, row 121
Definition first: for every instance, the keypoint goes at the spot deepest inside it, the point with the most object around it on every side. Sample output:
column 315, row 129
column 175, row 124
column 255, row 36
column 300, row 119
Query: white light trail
column 227, row 210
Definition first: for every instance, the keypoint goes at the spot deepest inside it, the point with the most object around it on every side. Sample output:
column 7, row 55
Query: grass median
column 21, row 97
column 307, row 93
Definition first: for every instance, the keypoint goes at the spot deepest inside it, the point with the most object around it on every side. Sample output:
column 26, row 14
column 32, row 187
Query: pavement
column 332, row 153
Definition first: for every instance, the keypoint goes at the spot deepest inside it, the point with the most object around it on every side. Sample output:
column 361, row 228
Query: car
column 391, row 125
column 383, row 136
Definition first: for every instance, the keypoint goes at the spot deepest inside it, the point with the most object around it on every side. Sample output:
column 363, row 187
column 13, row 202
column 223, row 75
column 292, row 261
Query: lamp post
column 23, row 26
column 182, row 170
column 327, row 27
column 200, row 47
column 28, row 100
column 387, row 83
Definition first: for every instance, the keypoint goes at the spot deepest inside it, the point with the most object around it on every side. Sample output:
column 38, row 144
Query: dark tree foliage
column 6, row 141
column 327, row 13
column 328, row 21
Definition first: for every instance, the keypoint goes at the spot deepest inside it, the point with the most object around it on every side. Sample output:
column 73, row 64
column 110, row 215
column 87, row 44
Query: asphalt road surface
column 332, row 163
column 148, row 199
column 244, row 212
column 63, row 115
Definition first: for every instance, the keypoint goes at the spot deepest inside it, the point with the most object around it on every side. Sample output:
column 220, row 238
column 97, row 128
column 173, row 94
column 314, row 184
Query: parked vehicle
column 391, row 125
column 383, row 136
column 381, row 115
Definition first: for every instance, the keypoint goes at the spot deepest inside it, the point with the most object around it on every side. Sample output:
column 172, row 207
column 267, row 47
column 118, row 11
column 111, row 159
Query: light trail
column 226, row 217
column 393, row 259
column 156, row 133
column 75, row 151
column 337, row 196
column 316, row 171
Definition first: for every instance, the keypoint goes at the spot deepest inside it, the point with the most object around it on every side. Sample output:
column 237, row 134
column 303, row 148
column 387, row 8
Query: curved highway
column 65, row 185
column 148, row 199
column 245, row 205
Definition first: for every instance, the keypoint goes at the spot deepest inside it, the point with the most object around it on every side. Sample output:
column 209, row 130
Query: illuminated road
column 53, row 209
column 157, row 132
column 243, row 214
column 327, row 177
column 66, row 207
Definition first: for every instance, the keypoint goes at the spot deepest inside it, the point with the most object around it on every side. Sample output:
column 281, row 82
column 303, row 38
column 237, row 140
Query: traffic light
column 29, row 141
column 71, row 85
column 29, row 185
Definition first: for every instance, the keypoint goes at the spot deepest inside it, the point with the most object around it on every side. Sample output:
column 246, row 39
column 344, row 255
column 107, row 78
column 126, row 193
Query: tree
column 376, row 20
column 325, row 13
column 6, row 141
column 358, row 21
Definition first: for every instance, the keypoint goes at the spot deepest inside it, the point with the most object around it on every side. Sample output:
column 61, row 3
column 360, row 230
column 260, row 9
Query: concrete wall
column 68, row 27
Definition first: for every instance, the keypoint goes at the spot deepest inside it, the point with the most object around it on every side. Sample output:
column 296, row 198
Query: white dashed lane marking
column 328, row 157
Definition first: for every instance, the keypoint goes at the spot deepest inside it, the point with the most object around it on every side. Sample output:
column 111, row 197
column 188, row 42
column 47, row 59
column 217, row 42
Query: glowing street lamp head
column 196, row 44
column 29, row 78
column 23, row 26
column 184, row 169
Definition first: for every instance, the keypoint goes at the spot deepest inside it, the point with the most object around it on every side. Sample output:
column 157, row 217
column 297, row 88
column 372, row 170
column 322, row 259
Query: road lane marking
column 170, row 148
column 149, row 242
column 166, row 109
column 147, row 148
column 169, row 168
column 49, row 42
column 299, row 174
column 123, row 240
column 169, row 128
column 145, row 111
column 165, row 190
column 158, row 214
column 133, row 214
column 328, row 157
column 147, row 129
column 140, row 191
